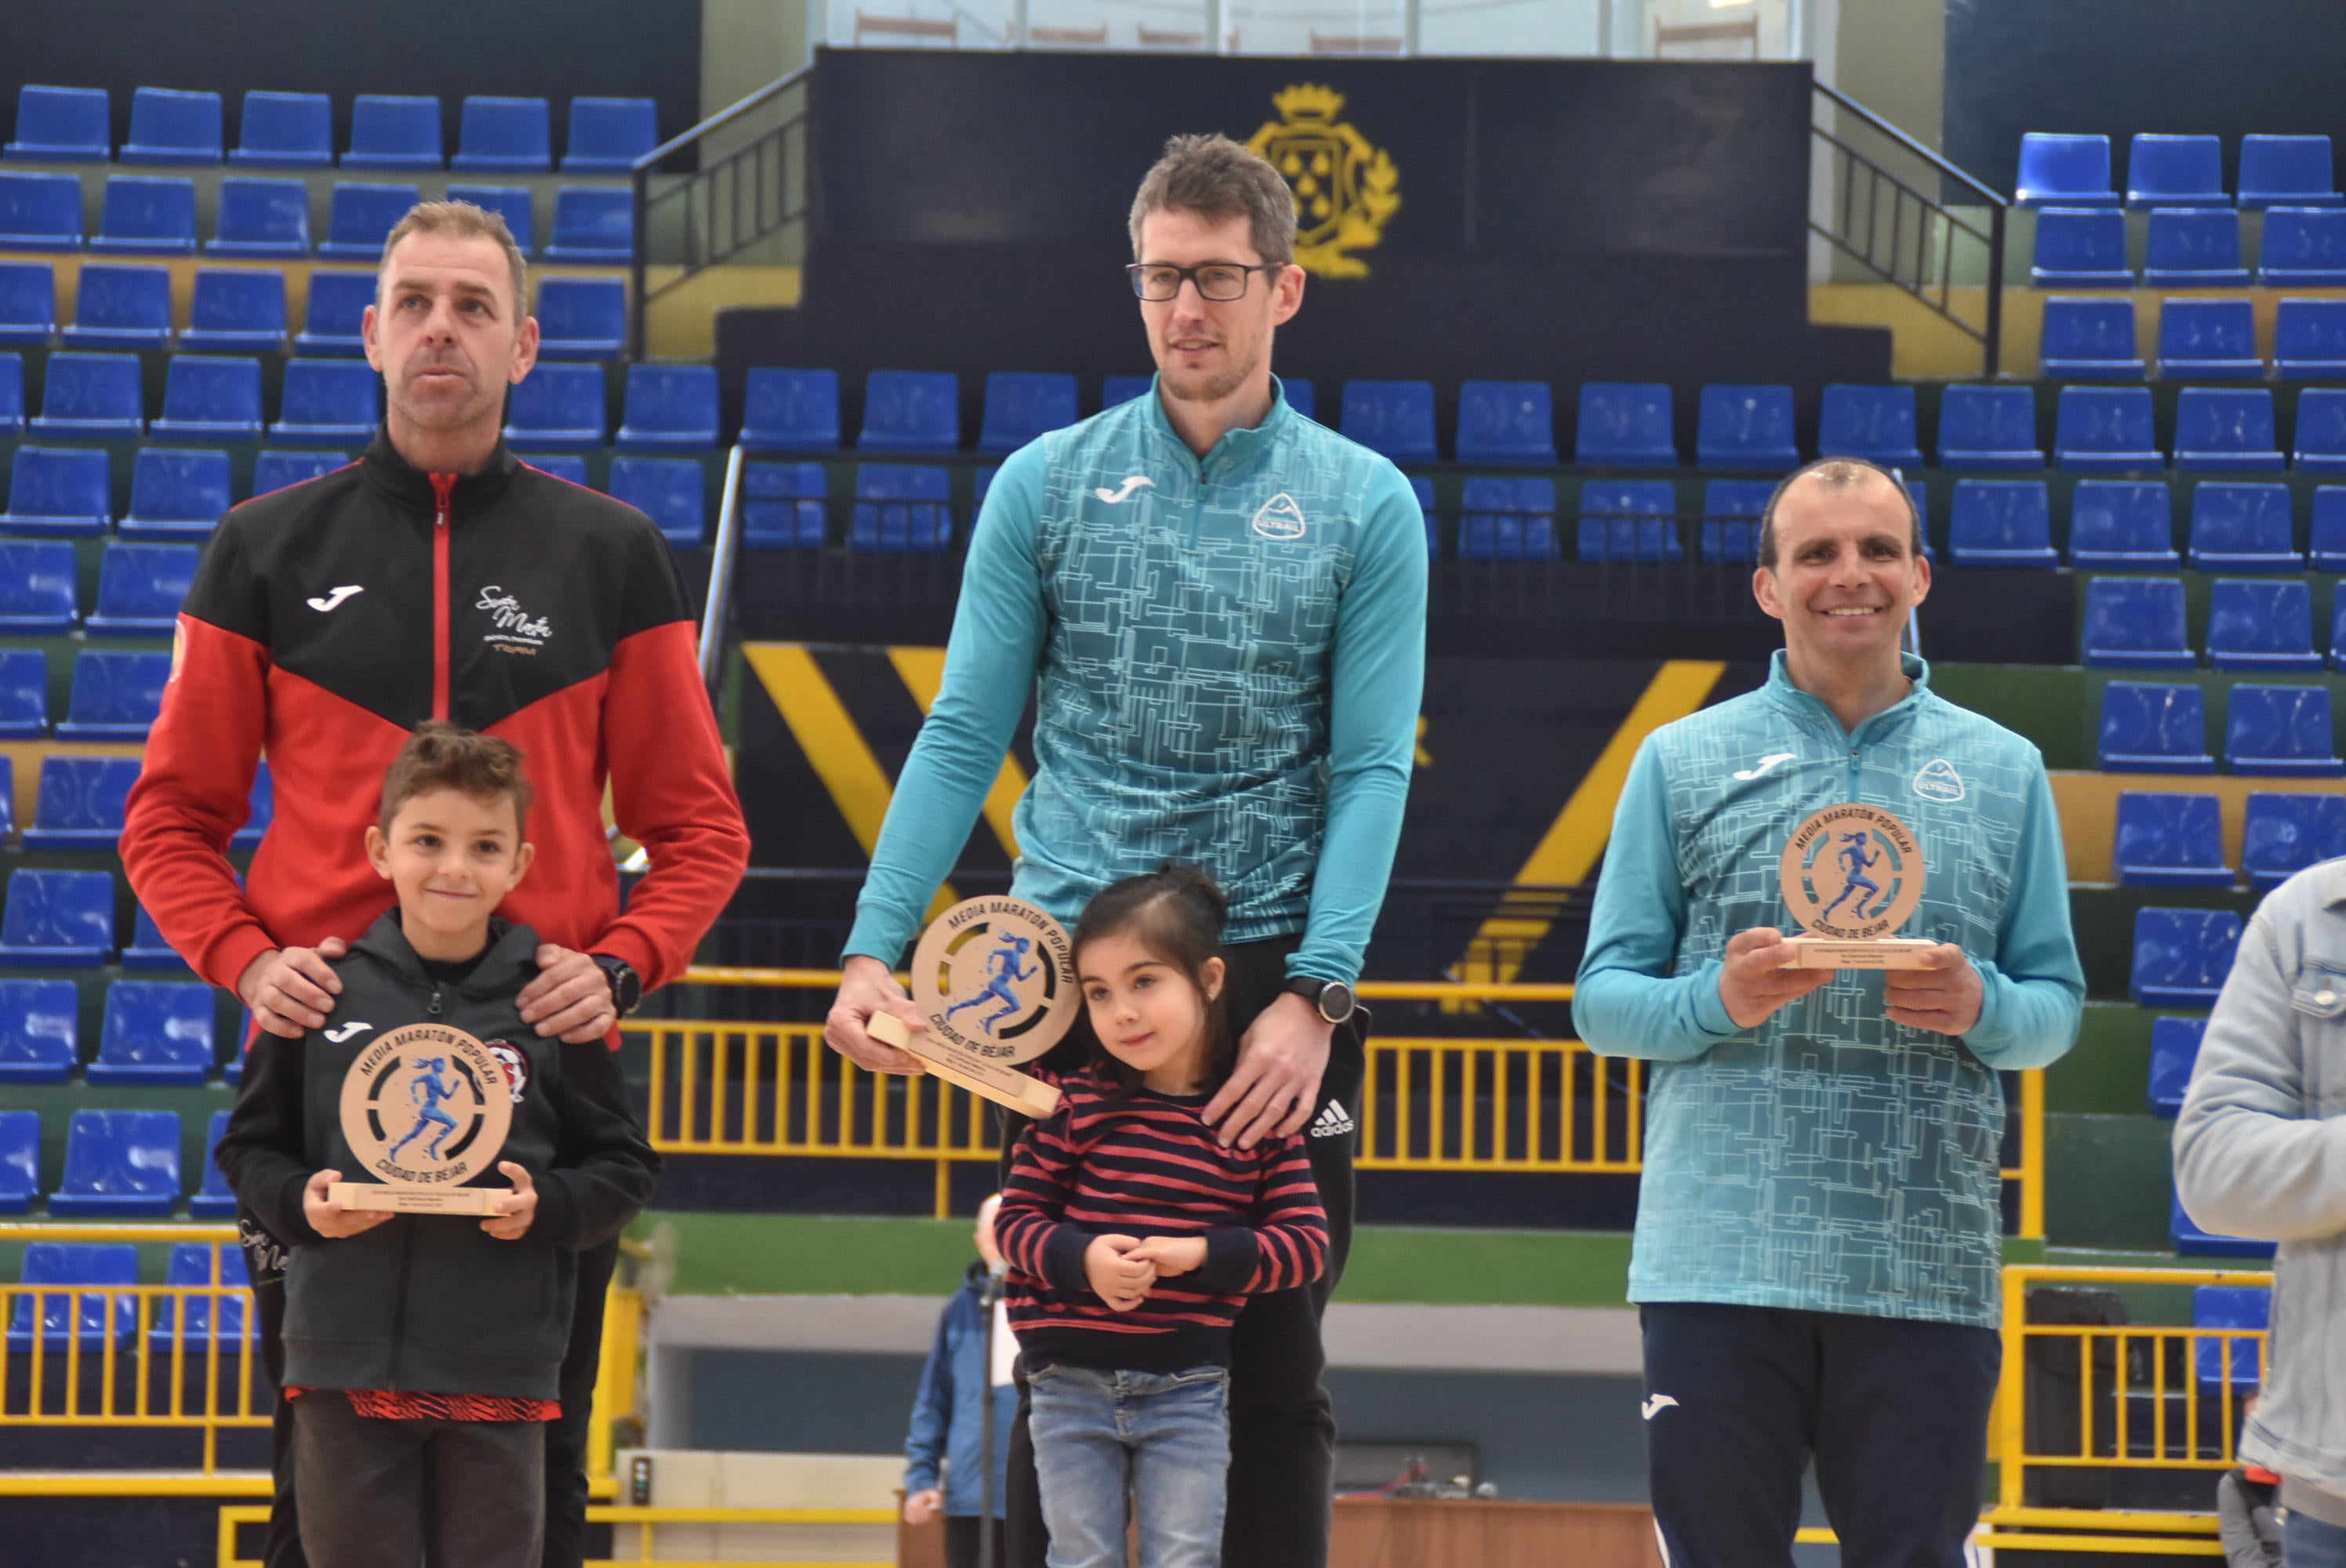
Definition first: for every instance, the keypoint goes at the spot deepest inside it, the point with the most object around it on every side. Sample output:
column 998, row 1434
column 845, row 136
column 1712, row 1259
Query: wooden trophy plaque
column 995, row 978
column 1851, row 875
column 426, row 1109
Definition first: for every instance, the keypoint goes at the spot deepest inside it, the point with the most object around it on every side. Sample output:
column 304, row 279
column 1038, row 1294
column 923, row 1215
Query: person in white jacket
column 2260, row 1151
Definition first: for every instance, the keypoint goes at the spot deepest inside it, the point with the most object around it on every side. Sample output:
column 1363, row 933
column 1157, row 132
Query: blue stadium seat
column 146, row 215
column 392, row 132
column 1731, row 513
column 2063, row 171
column 1419, row 485
column 2288, row 832
column 911, row 411
column 2182, row 957
column 1510, row 520
column 157, row 1032
column 276, row 470
column 284, row 130
column 70, row 1316
column 2169, row 840
column 1624, row 425
column 191, row 1264
column 1746, row 427
column 119, row 307
column 782, row 504
column 511, row 202
column 2310, row 339
column 2328, row 541
column 171, row 126
column 2242, row 528
column 559, row 406
column 2321, row 431
column 2191, row 1241
column 2106, row 430
column 506, row 136
column 2281, row 730
column 2220, row 1358
column 793, row 410
column 1626, row 520
column 2152, row 729
column 213, row 1200
column 2193, row 247
column 1988, row 428
column 2303, row 248
column 901, row 510
column 326, row 402
column 2135, row 622
column 2090, row 338
column 2176, row 171
column 39, row 211
column 2226, row 430
column 81, row 797
column 592, row 225
column 1023, row 404
column 236, row 311
column 1395, row 418
column 210, row 399
column 20, row 1160
column 1299, row 395
column 607, row 135
column 28, row 306
column 2173, row 1047
column 2080, row 248
column 261, row 217
column 176, row 495
column 670, row 408
column 2001, row 523
column 2287, row 171
column 39, row 1025
column 1506, row 421
column 1117, row 391
column 673, row 492
column 59, row 493
column 2264, row 625
column 1876, row 423
column 566, row 465
column 582, row 318
column 139, row 588
column 11, row 395
column 23, row 694
column 2122, row 525
column 2211, row 339
column 38, row 582
column 63, row 125
column 120, row 1163
column 362, row 217
column 330, row 317
column 147, row 949
column 92, row 396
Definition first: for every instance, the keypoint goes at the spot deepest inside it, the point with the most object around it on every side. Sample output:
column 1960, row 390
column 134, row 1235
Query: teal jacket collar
column 1793, row 699
column 1236, row 447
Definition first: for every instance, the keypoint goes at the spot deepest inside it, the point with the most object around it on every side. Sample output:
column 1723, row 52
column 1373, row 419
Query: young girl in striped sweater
column 1134, row 1238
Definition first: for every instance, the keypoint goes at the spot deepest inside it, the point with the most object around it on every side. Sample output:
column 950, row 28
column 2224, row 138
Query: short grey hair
column 462, row 220
column 1834, row 474
column 1218, row 178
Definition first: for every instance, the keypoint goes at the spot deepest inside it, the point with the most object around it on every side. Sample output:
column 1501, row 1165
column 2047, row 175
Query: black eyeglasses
column 1220, row 282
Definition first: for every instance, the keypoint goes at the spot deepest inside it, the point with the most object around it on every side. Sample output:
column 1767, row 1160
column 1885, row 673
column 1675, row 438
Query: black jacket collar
column 510, row 962
column 409, row 486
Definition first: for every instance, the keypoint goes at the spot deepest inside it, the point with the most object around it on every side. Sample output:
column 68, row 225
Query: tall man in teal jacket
column 1817, row 1253
column 1219, row 607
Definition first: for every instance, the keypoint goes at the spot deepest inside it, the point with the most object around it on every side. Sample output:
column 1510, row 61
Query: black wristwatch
column 1333, row 998
column 626, row 985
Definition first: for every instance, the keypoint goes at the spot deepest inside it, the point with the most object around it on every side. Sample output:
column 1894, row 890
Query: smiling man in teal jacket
column 1819, row 1224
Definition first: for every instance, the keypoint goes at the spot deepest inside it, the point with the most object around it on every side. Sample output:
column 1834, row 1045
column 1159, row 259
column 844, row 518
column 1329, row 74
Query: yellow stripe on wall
column 923, row 671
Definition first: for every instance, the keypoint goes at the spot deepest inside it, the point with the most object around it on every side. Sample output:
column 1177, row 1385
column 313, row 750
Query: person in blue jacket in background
column 949, row 1416
column 1819, row 1242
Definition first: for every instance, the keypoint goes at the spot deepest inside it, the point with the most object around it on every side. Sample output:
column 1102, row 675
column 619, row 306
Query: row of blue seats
column 2200, row 339
column 2175, row 840
column 65, row 920
column 2126, row 524
column 155, row 215
column 2061, row 170
column 79, row 805
column 117, row 1163
column 55, row 1319
column 242, row 309
column 139, row 588
column 102, row 397
column 115, row 697
column 2272, row 731
column 295, row 130
column 156, row 1032
column 2113, row 430
column 174, row 494
column 2259, row 625
column 2085, row 248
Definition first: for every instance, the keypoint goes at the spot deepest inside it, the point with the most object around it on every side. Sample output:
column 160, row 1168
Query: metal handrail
column 721, row 560
column 1927, row 155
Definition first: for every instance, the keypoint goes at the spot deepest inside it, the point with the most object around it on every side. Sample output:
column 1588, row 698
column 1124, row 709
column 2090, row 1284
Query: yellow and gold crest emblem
column 1345, row 188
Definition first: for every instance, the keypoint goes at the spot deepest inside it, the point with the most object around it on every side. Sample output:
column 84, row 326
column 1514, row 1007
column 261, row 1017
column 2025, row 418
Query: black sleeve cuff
column 1062, row 1257
column 1231, row 1257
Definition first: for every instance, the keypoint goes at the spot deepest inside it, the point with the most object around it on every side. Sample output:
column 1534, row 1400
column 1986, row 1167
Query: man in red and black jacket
column 438, row 577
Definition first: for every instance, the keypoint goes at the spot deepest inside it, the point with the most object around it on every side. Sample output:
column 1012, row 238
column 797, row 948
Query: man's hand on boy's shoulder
column 516, row 1210
column 292, row 989
column 330, row 1219
column 571, row 997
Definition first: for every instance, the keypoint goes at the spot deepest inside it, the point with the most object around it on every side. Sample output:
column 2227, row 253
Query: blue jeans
column 2306, row 1542
column 1163, row 1437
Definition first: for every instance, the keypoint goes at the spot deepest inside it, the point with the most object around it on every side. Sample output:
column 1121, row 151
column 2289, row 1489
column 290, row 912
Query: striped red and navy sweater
column 1146, row 1164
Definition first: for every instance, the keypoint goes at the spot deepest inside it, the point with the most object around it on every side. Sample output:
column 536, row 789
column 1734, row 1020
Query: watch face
column 1335, row 1001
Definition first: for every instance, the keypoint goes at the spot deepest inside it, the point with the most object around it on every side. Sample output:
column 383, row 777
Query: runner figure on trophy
column 1006, row 966
column 426, row 1090
column 1855, row 861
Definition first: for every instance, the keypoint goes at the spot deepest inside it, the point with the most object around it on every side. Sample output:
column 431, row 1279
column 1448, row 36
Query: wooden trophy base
column 1003, row 1085
column 381, row 1195
column 1881, row 953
